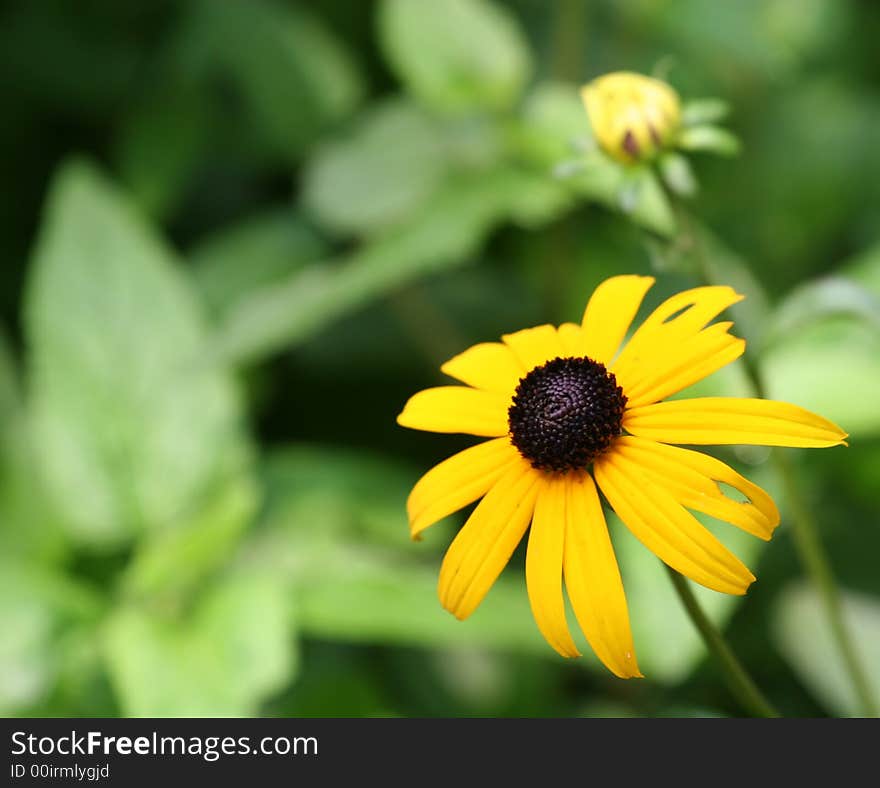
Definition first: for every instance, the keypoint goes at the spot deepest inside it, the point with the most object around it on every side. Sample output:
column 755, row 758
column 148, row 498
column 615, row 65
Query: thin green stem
column 814, row 559
column 741, row 683
column 805, row 530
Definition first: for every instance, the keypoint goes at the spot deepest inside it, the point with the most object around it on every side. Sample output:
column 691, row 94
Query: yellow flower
column 567, row 409
column 633, row 117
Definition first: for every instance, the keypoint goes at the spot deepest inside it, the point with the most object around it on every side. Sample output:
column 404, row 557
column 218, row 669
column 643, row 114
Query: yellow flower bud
column 633, row 116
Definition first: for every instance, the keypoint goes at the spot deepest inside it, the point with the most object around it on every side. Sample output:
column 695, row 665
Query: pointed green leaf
column 455, row 55
column 130, row 429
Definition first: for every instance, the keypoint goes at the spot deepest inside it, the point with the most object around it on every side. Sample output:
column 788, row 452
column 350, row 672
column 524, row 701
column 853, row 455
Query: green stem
column 805, row 530
column 741, row 683
column 814, row 559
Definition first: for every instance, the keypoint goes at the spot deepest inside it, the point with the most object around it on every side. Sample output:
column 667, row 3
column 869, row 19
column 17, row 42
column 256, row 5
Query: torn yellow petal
column 592, row 579
column 490, row 365
column 610, row 312
column 485, row 543
column 457, row 409
column 667, row 529
column 534, row 346
column 457, row 482
column 724, row 420
column 544, row 565
column 692, row 478
column 677, row 320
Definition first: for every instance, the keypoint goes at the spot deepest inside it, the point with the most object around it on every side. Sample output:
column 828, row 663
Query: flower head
column 634, row 117
column 574, row 411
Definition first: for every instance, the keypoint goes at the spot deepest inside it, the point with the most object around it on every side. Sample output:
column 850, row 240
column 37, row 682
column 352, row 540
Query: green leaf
column 803, row 636
column 710, row 139
column 29, row 527
column 641, row 197
column 451, row 228
column 455, row 55
column 129, row 429
column 355, row 494
column 697, row 112
column 10, row 399
column 171, row 562
column 554, row 126
column 677, row 174
column 832, row 367
column 865, row 269
column 384, row 172
column 231, row 652
column 293, row 75
column 667, row 644
column 234, row 262
column 36, row 609
column 160, row 144
column 827, row 297
column 354, row 593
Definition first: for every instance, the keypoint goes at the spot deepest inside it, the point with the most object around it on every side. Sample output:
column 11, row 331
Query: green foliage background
column 236, row 236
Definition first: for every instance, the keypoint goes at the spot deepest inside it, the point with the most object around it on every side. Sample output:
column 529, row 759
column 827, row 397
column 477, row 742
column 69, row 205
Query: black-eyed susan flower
column 633, row 117
column 574, row 412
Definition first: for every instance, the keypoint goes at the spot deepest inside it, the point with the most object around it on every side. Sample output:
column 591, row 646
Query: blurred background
column 236, row 236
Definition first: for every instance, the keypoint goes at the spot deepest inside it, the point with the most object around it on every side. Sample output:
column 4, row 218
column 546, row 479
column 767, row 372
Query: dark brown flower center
column 565, row 413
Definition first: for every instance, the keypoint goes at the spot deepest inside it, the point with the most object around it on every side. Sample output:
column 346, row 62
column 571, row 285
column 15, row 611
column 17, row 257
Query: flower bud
column 633, row 117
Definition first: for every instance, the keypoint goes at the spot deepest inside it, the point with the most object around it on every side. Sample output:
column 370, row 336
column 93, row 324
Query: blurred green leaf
column 667, row 644
column 803, row 636
column 10, row 401
column 36, row 608
column 385, row 601
column 292, row 73
column 174, row 560
column 641, row 197
column 130, row 430
column 677, row 174
column 865, row 270
column 820, row 299
column 384, row 172
column 449, row 230
column 553, row 127
column 832, row 367
column 160, row 144
column 699, row 111
column 455, row 55
column 28, row 525
column 356, row 593
column 237, row 260
column 233, row 650
column 710, row 139
column 349, row 492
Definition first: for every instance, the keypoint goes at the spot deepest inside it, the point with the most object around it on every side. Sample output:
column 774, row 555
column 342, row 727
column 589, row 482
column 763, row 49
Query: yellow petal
column 489, row 365
column 667, row 529
column 610, row 312
column 544, row 566
column 721, row 420
column 675, row 321
column 457, row 482
column 683, row 364
column 572, row 338
column 457, row 409
column 484, row 545
column 692, row 479
column 535, row 346
column 592, row 579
